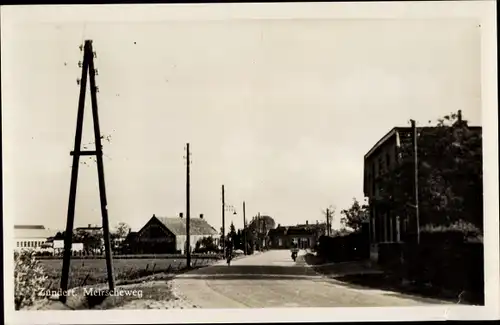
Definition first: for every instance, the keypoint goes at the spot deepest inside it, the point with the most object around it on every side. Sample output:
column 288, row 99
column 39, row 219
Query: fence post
column 85, row 280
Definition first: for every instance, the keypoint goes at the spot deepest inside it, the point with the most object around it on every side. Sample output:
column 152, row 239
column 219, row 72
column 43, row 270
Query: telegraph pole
column 415, row 159
column 87, row 69
column 244, row 230
column 259, row 220
column 327, row 222
column 188, row 220
column 223, row 222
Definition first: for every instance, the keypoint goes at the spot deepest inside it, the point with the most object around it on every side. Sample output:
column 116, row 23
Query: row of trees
column 351, row 219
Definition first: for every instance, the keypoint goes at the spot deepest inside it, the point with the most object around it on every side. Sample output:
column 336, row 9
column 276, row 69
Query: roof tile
column 198, row 226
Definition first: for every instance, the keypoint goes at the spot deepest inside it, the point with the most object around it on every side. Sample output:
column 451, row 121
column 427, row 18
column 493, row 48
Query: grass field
column 92, row 271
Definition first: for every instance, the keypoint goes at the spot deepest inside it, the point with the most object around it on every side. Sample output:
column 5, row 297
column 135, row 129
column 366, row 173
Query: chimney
column 307, row 222
column 201, row 215
column 317, row 222
column 90, row 226
column 459, row 116
column 181, row 215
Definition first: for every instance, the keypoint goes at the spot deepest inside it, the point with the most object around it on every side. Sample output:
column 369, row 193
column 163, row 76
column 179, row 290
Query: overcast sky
column 280, row 111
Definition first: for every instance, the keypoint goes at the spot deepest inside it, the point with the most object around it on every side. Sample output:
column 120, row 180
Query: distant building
column 168, row 235
column 57, row 246
column 304, row 236
column 31, row 236
column 90, row 229
column 388, row 222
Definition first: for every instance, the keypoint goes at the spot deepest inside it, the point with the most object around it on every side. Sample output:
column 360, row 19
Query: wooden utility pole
column 87, row 68
column 244, row 230
column 223, row 223
column 188, row 219
column 259, row 220
column 415, row 162
column 328, row 222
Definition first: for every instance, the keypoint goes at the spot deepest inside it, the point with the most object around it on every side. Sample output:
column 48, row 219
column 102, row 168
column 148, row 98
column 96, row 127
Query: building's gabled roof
column 279, row 231
column 29, row 227
column 32, row 232
column 177, row 226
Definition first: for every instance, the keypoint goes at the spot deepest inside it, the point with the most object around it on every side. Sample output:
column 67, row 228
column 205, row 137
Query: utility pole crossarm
column 85, row 153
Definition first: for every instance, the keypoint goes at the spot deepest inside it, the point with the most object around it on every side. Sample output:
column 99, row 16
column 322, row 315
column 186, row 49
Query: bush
column 29, row 278
column 466, row 230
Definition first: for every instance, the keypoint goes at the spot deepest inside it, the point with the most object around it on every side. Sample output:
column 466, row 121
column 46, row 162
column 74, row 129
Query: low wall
column 352, row 247
column 447, row 264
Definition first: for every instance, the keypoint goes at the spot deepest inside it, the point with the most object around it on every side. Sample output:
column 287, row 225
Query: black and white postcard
column 250, row 162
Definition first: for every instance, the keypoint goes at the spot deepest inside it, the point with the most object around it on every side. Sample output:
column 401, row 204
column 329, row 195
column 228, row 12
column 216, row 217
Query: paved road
column 272, row 279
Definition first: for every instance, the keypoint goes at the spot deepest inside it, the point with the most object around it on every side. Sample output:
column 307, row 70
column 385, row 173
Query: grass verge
column 387, row 281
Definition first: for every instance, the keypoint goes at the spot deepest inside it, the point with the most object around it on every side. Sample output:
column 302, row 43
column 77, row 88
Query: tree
column 341, row 232
column 232, row 231
column 197, row 246
column 92, row 241
column 259, row 226
column 354, row 216
column 262, row 223
column 205, row 244
column 449, row 174
column 119, row 234
column 231, row 236
column 122, row 229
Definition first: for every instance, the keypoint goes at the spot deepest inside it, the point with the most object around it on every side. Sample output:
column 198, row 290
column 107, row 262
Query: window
column 388, row 161
column 18, row 244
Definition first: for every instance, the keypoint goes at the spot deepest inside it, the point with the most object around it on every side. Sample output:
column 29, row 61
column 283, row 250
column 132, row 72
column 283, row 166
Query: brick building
column 390, row 221
column 304, row 236
column 162, row 235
